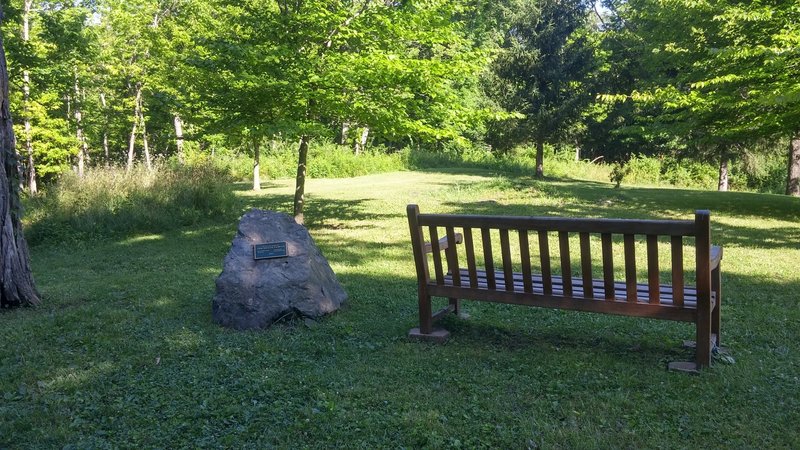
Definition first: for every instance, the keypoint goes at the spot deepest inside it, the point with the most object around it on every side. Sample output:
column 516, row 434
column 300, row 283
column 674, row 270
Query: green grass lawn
column 123, row 353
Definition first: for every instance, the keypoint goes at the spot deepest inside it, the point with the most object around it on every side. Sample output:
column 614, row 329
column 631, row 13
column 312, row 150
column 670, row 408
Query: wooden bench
column 472, row 272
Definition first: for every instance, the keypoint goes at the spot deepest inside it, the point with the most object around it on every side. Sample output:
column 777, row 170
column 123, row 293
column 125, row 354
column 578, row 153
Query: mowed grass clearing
column 123, row 353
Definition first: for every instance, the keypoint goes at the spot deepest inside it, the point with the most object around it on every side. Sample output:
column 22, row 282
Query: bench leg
column 426, row 330
column 704, row 342
column 716, row 287
column 456, row 304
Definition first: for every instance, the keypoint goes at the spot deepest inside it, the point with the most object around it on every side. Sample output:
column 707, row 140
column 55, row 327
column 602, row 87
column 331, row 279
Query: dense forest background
column 685, row 88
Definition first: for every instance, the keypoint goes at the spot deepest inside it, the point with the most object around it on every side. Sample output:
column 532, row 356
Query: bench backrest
column 477, row 233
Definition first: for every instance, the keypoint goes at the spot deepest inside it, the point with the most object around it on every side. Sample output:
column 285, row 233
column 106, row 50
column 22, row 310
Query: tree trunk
column 132, row 141
column 345, row 131
column 105, row 130
column 83, row 150
column 361, row 144
column 148, row 161
column 16, row 282
column 793, row 178
column 300, row 181
column 26, row 98
column 256, row 164
column 131, row 147
column 179, row 138
column 539, row 158
column 723, row 172
column 146, row 147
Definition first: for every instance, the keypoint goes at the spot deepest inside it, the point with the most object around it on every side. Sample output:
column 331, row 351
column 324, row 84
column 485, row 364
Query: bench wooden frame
column 700, row 304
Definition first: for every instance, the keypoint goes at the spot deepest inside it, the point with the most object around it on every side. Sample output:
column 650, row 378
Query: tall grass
column 107, row 202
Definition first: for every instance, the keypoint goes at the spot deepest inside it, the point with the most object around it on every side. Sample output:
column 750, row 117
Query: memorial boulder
column 273, row 271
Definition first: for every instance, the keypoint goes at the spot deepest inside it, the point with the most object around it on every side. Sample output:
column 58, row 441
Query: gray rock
column 254, row 294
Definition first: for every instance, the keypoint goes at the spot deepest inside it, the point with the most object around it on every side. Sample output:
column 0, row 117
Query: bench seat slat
column 620, row 288
column 621, row 307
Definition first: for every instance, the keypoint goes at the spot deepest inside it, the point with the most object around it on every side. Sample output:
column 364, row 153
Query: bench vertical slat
column 452, row 256
column 544, row 255
column 704, row 313
column 653, row 281
column 630, row 267
column 677, row 271
column 488, row 258
column 508, row 269
column 471, row 266
column 608, row 266
column 525, row 255
column 586, row 266
column 437, row 255
column 566, row 263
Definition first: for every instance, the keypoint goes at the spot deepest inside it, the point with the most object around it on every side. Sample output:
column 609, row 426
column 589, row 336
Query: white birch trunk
column 105, row 130
column 26, row 94
column 256, row 165
column 345, row 131
column 722, row 185
column 83, row 150
column 132, row 140
column 179, row 138
column 361, row 143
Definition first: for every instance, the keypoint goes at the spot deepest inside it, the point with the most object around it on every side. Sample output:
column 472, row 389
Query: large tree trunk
column 300, row 181
column 256, row 164
column 539, row 158
column 179, row 138
column 793, row 178
column 26, row 97
column 16, row 282
column 723, row 172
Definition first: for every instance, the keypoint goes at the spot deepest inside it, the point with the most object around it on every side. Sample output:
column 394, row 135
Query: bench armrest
column 443, row 245
column 716, row 256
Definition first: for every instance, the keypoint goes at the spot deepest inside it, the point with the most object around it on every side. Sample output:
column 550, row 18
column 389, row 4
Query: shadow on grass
column 593, row 199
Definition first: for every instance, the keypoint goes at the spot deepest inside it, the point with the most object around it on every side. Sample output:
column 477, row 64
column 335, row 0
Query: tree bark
column 722, row 186
column 300, row 181
column 179, row 138
column 539, row 158
column 26, row 97
column 16, row 282
column 256, row 164
column 793, row 177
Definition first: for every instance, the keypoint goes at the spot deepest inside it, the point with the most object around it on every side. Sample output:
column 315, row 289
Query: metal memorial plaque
column 270, row 250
